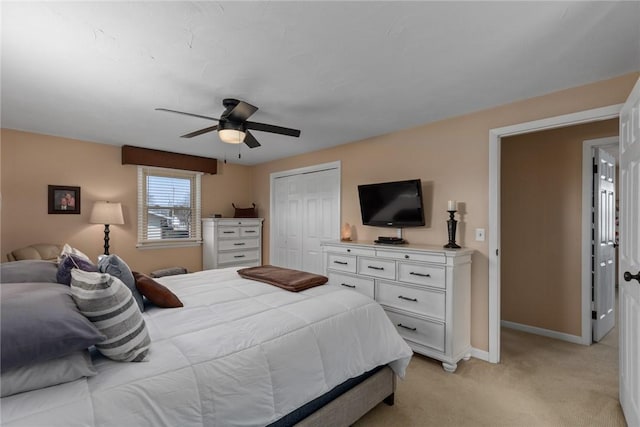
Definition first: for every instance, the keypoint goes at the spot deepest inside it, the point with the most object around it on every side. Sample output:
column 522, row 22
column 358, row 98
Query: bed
column 239, row 353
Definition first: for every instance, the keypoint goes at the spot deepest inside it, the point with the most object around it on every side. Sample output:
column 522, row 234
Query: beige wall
column 31, row 161
column 541, row 226
column 451, row 157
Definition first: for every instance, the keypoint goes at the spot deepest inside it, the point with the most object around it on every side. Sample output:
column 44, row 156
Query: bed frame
column 345, row 403
column 353, row 404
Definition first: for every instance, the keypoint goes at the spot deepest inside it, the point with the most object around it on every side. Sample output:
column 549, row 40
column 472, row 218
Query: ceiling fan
column 233, row 126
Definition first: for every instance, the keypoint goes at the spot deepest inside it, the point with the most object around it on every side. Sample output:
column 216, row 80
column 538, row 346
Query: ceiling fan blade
column 187, row 114
column 250, row 140
column 273, row 129
column 200, row 132
column 241, row 112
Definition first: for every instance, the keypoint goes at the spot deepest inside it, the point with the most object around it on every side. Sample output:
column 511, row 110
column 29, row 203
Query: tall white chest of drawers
column 425, row 291
column 231, row 242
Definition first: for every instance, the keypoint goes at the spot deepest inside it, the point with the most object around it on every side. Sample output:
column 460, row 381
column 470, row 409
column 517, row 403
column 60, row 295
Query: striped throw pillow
column 109, row 305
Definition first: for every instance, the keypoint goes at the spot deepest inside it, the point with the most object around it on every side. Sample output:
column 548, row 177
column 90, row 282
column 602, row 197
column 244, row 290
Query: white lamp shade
column 231, row 136
column 106, row 213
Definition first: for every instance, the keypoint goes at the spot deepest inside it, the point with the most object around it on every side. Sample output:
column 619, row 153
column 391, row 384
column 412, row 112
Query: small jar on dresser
column 425, row 291
column 231, row 242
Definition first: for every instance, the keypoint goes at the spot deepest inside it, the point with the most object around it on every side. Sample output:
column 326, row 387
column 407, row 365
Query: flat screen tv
column 392, row 204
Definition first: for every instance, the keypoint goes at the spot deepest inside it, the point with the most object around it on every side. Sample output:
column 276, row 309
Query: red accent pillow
column 156, row 293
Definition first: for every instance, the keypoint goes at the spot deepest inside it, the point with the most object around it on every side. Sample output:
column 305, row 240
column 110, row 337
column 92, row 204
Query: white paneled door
column 286, row 228
column 305, row 212
column 629, row 293
column 321, row 216
column 603, row 241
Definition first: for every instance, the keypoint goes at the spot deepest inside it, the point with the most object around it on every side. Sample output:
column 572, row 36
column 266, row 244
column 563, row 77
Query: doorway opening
column 543, row 182
column 495, row 137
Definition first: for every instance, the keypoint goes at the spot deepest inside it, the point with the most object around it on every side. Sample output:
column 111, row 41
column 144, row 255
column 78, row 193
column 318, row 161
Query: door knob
column 629, row 277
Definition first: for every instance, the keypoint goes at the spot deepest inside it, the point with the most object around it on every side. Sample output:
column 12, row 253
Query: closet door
column 321, row 216
column 287, row 222
column 305, row 211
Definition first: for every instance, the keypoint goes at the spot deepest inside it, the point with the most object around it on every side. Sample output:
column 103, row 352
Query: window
column 168, row 207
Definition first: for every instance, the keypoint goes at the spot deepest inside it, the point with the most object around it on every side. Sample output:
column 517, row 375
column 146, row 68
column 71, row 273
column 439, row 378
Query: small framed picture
column 64, row 199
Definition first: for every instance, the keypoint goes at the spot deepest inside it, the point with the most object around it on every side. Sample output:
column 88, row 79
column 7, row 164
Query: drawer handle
column 419, row 274
column 348, row 250
column 341, row 262
column 400, row 325
column 407, row 298
column 348, row 286
column 373, row 267
column 238, row 244
column 238, row 256
column 228, row 232
column 250, row 231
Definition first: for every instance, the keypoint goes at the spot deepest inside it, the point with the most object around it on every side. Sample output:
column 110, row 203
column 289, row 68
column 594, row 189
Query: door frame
column 587, row 192
column 299, row 171
column 495, row 136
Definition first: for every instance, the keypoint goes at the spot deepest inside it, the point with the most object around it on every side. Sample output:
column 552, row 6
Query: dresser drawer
column 226, row 245
column 350, row 250
column 429, row 275
column 360, row 284
column 427, row 302
column 249, row 231
column 229, row 232
column 383, row 268
column 237, row 257
column 232, row 222
column 421, row 331
column 416, row 256
column 341, row 263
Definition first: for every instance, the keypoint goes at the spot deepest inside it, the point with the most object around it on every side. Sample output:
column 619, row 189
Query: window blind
column 168, row 207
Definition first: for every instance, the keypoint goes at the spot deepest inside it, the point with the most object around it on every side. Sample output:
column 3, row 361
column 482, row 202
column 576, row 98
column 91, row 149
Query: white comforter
column 239, row 352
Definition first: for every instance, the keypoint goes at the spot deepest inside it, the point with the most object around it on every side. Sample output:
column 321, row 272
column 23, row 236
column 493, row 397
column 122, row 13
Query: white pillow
column 68, row 250
column 110, row 306
column 45, row 374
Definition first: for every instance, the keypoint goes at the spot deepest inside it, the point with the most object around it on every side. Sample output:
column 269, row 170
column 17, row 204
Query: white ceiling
column 339, row 71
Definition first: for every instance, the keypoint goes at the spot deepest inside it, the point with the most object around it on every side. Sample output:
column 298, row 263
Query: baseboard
column 575, row 339
column 480, row 354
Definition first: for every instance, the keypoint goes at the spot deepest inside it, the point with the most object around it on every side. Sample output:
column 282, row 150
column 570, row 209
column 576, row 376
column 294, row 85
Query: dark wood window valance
column 166, row 159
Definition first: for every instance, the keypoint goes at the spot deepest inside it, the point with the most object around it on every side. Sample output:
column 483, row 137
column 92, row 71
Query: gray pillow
column 108, row 303
column 28, row 271
column 46, row 374
column 39, row 322
column 115, row 266
column 68, row 263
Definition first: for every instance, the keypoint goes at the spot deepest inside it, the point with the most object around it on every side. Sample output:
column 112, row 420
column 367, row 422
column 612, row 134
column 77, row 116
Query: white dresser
column 425, row 291
column 229, row 242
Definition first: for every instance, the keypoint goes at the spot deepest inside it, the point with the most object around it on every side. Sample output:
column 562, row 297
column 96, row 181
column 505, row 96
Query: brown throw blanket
column 285, row 278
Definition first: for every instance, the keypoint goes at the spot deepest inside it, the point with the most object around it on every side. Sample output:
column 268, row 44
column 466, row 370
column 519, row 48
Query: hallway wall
column 541, row 220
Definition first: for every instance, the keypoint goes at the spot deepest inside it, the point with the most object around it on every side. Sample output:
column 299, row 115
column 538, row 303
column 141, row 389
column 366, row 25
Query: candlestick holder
column 451, row 227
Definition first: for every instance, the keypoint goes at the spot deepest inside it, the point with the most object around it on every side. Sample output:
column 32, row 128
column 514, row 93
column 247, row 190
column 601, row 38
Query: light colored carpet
column 539, row 382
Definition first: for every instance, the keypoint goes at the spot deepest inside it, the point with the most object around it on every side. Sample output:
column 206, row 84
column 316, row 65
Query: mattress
column 239, row 353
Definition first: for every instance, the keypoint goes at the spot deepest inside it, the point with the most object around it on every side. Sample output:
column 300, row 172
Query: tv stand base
column 390, row 240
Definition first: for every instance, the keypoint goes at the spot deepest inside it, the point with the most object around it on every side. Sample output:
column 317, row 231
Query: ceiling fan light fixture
column 231, row 136
column 233, row 127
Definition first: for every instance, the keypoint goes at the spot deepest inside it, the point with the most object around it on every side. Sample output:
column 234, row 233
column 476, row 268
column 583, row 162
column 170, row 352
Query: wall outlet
column 479, row 234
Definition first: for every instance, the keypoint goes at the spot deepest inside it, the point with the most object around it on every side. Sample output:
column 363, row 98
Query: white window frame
column 142, row 208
